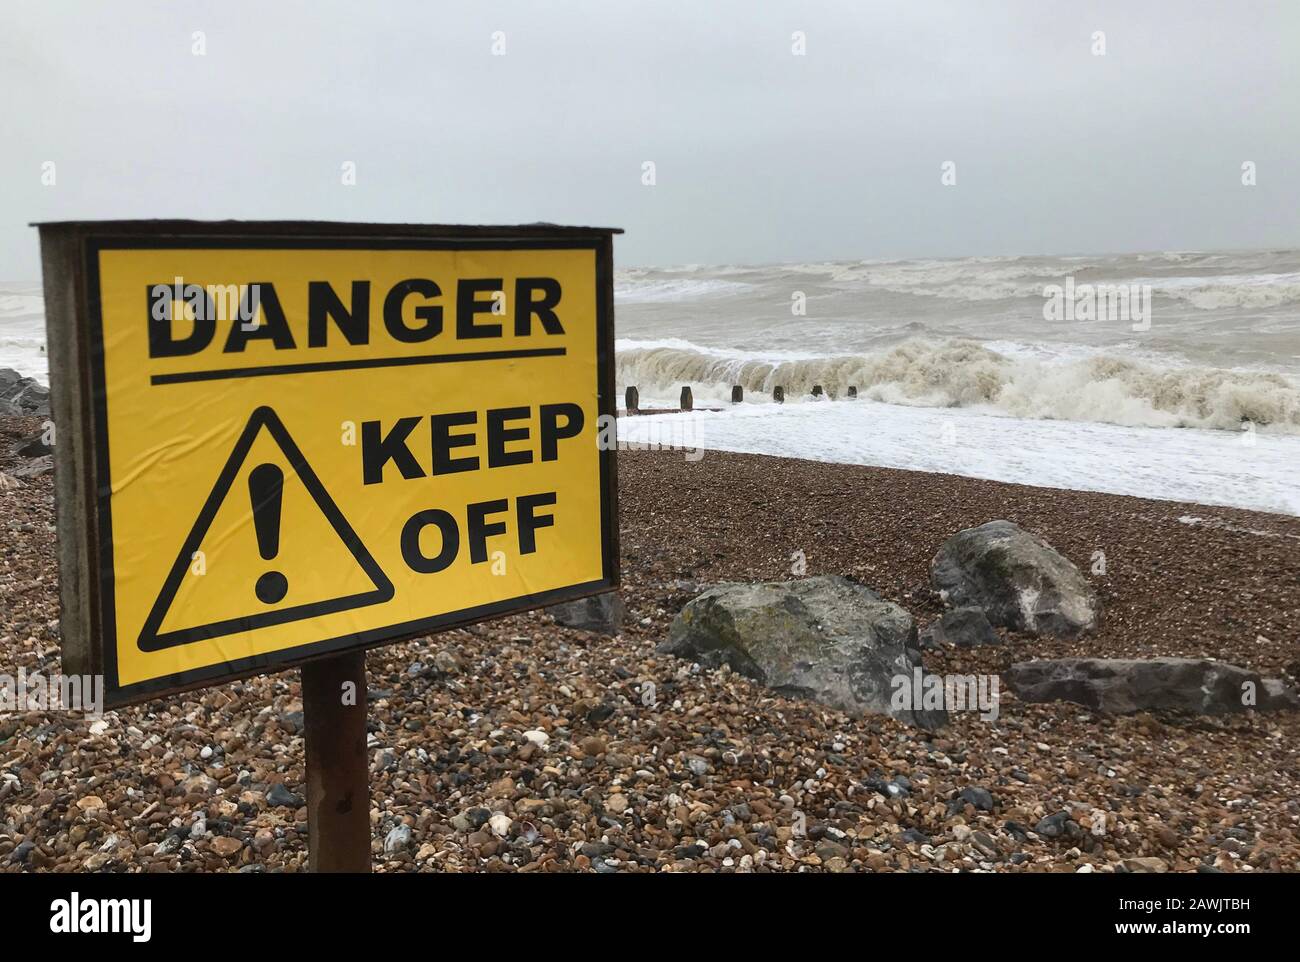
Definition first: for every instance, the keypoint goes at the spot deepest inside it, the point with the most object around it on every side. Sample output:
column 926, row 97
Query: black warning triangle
column 262, row 418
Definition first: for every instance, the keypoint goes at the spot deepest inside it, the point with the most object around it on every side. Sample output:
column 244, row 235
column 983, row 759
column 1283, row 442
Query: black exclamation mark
column 266, row 489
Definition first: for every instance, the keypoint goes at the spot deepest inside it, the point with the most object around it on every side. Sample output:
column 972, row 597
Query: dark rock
column 171, row 844
column 981, row 798
column 600, row 613
column 890, row 789
column 1053, row 826
column 823, row 638
column 279, row 795
column 964, row 627
column 1277, row 695
column 1126, row 685
column 32, row 446
column 1017, row 578
column 23, row 393
column 601, row 713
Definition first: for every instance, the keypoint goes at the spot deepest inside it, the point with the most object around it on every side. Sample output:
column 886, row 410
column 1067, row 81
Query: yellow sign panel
column 308, row 449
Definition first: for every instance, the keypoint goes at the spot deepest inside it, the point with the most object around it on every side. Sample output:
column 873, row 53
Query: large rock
column 963, row 627
column 1126, row 685
column 601, row 613
column 1019, row 580
column 22, row 394
column 823, row 638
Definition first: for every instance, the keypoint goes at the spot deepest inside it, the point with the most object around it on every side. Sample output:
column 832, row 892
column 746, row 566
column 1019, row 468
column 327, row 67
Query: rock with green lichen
column 823, row 638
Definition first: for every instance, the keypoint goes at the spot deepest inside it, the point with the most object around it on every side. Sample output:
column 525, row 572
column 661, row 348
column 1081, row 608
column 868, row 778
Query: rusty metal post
column 338, row 786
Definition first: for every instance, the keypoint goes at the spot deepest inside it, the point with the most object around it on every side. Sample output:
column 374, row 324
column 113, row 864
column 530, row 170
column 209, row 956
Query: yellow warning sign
column 311, row 446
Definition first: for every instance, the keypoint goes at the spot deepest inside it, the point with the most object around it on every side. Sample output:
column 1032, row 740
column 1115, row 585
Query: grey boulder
column 601, row 613
column 1126, row 685
column 823, row 638
column 1018, row 579
column 964, row 627
column 23, row 394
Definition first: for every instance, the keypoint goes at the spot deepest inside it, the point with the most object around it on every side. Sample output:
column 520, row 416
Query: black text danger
column 412, row 311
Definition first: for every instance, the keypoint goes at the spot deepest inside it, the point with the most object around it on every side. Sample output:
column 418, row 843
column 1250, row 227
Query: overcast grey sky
column 760, row 155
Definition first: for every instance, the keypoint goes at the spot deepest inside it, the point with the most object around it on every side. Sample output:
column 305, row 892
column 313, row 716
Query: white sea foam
column 954, row 373
column 1207, row 467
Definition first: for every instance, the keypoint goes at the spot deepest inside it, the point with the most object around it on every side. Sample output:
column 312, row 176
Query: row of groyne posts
column 632, row 398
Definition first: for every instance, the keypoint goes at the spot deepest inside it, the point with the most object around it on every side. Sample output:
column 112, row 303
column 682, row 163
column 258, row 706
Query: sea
column 1171, row 375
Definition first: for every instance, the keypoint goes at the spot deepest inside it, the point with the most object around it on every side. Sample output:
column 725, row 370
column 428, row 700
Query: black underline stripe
column 309, row 367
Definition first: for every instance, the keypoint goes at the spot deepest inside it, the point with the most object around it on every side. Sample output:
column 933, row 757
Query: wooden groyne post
column 632, row 397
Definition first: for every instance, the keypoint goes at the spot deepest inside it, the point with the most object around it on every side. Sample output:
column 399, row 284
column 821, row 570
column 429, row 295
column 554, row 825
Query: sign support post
column 338, row 787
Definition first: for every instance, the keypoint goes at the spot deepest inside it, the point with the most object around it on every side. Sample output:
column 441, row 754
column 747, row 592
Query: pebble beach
column 520, row 745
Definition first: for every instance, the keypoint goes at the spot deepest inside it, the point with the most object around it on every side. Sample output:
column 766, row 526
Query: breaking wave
column 961, row 373
column 631, row 289
column 997, row 279
column 1228, row 291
